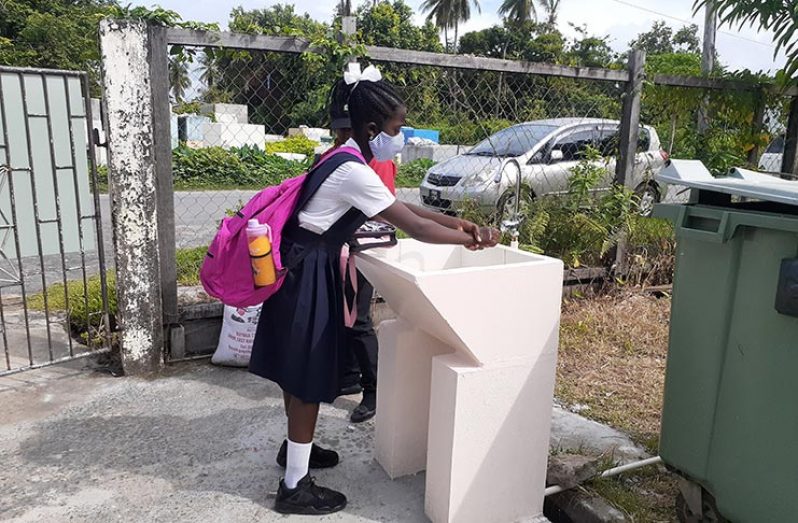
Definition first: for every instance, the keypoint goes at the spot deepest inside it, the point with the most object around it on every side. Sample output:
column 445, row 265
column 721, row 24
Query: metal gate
column 54, row 298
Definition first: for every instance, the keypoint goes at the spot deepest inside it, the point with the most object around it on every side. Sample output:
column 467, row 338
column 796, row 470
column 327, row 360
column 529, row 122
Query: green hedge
column 239, row 168
column 410, row 174
column 299, row 144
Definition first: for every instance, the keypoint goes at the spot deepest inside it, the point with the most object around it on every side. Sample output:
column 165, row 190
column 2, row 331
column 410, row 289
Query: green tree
column 518, row 10
column 528, row 41
column 461, row 12
column 778, row 16
column 588, row 50
column 179, row 80
column 449, row 13
column 439, row 12
column 390, row 24
column 661, row 39
column 552, row 8
column 53, row 34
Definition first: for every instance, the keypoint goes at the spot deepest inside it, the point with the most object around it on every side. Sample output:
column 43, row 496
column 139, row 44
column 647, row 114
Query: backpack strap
column 319, row 173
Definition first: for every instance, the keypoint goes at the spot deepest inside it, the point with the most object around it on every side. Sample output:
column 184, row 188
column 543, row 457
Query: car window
column 608, row 141
column 776, row 146
column 574, row 145
column 643, row 140
column 513, row 141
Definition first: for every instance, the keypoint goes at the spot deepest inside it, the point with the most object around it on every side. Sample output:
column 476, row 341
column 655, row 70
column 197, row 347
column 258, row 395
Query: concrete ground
column 197, row 444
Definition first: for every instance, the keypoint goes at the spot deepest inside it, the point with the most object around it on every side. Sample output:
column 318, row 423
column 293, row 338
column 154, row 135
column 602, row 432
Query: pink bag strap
column 349, row 273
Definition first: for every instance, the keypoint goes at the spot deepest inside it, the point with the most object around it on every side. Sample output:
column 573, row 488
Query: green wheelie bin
column 730, row 413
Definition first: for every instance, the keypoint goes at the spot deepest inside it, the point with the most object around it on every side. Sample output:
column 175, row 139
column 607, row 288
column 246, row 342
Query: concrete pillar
column 404, row 383
column 487, row 424
column 129, row 113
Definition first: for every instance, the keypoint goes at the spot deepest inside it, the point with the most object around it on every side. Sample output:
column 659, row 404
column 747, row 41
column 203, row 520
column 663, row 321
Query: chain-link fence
column 723, row 128
column 243, row 120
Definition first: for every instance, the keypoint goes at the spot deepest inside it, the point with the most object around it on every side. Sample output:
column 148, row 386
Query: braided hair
column 365, row 102
column 339, row 110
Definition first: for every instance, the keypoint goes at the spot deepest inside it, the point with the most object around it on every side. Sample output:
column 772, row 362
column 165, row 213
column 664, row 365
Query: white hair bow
column 353, row 74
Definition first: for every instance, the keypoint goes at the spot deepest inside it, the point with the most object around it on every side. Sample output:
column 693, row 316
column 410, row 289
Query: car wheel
column 647, row 196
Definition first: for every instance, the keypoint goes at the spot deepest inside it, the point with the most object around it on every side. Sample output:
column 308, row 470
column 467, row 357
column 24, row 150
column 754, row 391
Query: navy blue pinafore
column 300, row 343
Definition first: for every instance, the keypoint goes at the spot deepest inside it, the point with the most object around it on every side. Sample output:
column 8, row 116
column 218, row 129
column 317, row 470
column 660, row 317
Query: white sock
column 297, row 462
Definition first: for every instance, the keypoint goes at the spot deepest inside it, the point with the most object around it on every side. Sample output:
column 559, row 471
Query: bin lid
column 738, row 182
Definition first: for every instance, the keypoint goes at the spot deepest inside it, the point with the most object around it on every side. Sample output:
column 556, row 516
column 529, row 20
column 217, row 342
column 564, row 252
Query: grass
column 612, row 359
column 85, row 304
column 189, row 262
column 647, row 495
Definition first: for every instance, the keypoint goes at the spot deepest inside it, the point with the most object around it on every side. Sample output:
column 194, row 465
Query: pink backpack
column 226, row 273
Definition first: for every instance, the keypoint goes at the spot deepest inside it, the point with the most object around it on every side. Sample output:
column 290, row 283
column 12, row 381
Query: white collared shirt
column 350, row 185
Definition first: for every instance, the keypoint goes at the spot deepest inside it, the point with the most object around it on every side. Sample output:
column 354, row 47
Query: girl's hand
column 489, row 237
column 470, row 228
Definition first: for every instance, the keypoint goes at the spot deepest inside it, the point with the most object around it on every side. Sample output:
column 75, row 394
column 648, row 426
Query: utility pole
column 707, row 58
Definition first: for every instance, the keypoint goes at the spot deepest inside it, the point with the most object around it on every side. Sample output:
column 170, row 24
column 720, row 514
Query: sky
column 621, row 20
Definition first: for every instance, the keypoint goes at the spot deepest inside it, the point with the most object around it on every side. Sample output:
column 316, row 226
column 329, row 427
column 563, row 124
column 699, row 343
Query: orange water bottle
column 260, row 253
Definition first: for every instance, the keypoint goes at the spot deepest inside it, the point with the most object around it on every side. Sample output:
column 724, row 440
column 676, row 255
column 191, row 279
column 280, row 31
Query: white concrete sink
column 466, row 375
column 491, row 305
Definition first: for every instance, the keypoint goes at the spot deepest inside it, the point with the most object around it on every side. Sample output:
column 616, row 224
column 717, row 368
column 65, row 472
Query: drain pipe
column 556, row 489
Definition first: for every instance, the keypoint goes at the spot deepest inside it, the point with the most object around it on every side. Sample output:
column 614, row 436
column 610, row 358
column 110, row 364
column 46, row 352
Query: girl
column 301, row 341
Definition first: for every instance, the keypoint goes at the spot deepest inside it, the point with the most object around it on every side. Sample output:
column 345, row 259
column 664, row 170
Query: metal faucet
column 512, row 224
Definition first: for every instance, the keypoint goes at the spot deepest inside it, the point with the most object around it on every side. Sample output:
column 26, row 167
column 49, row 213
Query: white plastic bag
column 238, row 332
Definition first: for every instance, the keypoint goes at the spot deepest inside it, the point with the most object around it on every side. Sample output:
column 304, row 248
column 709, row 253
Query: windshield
column 513, row 141
column 776, row 146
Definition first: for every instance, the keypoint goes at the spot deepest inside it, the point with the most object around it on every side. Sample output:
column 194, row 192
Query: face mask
column 385, row 147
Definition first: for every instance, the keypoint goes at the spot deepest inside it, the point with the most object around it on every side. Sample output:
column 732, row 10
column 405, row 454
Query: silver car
column 544, row 151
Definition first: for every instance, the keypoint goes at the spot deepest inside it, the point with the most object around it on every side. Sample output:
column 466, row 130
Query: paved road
column 197, row 216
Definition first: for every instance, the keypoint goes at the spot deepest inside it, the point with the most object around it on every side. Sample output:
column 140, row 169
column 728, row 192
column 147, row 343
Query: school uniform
column 301, row 341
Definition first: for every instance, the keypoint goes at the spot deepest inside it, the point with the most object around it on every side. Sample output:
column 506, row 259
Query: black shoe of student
column 320, row 458
column 349, row 390
column 308, row 498
column 366, row 410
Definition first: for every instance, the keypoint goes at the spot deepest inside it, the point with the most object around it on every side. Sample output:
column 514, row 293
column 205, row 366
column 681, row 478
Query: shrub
column 581, row 227
column 244, row 167
column 189, row 262
column 83, row 305
column 410, row 174
column 299, row 144
column 184, row 107
column 102, row 178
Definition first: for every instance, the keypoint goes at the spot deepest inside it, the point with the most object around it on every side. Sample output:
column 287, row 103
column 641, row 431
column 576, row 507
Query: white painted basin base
column 466, row 375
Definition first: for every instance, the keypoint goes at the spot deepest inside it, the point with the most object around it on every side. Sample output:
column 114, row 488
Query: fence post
column 162, row 147
column 789, row 162
column 629, row 133
column 127, row 86
column 630, row 119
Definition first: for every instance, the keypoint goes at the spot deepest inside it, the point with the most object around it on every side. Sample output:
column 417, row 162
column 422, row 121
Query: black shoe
column 320, row 458
column 308, row 498
column 366, row 410
column 349, row 390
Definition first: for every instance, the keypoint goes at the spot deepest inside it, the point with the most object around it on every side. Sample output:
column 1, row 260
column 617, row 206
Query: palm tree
column 449, row 13
column 461, row 12
column 518, row 10
column 178, row 79
column 208, row 70
column 551, row 7
column 440, row 11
